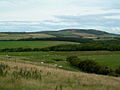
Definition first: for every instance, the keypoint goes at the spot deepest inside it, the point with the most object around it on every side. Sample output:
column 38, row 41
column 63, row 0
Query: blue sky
column 41, row 15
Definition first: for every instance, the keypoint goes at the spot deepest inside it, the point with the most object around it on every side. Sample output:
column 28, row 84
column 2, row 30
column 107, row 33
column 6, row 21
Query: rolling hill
column 85, row 33
column 72, row 33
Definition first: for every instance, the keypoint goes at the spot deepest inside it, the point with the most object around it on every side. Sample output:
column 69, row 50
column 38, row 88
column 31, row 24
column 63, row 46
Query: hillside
column 72, row 33
column 28, row 76
column 22, row 35
column 85, row 33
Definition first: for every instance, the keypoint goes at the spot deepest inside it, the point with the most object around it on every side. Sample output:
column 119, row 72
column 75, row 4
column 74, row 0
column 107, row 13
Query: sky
column 46, row 15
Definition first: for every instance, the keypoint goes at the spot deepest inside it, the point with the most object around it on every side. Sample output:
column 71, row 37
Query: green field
column 31, row 44
column 26, row 72
column 106, row 58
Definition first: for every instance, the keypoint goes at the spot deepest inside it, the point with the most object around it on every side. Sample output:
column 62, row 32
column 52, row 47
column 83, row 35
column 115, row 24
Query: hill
column 22, row 35
column 85, row 33
column 66, row 33
column 28, row 76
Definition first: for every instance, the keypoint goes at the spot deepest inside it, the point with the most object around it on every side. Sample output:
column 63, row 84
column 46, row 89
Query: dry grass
column 23, row 36
column 40, row 35
column 56, row 79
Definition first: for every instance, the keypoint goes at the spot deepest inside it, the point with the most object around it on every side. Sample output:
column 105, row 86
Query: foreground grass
column 52, row 79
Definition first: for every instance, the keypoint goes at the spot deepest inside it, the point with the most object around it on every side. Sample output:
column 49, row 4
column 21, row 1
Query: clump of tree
column 91, row 66
column 74, row 60
column 16, row 49
column 71, row 39
column 70, row 47
column 118, row 70
column 85, row 47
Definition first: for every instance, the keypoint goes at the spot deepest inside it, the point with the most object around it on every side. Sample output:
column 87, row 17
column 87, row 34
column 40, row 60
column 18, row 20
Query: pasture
column 12, row 36
column 31, row 44
column 38, row 70
column 106, row 58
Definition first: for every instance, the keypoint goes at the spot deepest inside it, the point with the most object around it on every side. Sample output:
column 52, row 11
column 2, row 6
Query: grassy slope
column 56, row 79
column 21, row 36
column 31, row 44
column 91, row 33
column 107, row 58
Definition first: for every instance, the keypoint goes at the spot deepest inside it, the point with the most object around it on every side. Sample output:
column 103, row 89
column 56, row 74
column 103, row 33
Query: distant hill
column 85, row 33
column 72, row 33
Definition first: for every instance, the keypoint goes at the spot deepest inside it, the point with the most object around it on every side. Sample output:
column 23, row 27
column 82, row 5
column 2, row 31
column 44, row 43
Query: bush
column 59, row 59
column 89, row 66
column 105, row 70
column 74, row 60
column 113, row 74
column 118, row 70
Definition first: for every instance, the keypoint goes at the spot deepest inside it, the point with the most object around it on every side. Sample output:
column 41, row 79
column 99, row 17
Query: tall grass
column 4, row 69
column 28, row 77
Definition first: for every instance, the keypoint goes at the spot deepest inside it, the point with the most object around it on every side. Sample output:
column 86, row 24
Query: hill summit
column 86, row 33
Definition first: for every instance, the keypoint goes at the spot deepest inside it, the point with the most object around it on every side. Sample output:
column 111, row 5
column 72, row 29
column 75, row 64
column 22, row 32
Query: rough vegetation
column 91, row 66
column 47, row 61
column 19, row 76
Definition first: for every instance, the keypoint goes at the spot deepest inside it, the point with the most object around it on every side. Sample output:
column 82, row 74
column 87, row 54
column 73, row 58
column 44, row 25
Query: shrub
column 113, row 74
column 59, row 59
column 118, row 70
column 105, row 70
column 89, row 66
column 74, row 60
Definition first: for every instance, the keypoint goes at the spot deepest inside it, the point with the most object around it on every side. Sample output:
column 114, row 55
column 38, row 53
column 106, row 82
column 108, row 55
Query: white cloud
column 113, row 17
column 46, row 9
column 62, row 23
column 92, row 13
column 116, row 29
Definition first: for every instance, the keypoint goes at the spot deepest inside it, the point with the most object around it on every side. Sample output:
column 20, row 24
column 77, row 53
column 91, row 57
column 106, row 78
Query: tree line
column 70, row 47
column 112, row 46
column 70, row 39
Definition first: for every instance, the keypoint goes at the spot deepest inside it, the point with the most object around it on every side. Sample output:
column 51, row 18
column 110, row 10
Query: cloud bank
column 37, row 15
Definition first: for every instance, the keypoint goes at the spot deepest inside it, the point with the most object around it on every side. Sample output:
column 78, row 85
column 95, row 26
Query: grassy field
column 46, row 57
column 106, row 58
column 31, row 44
column 26, row 76
column 38, row 70
column 22, row 36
